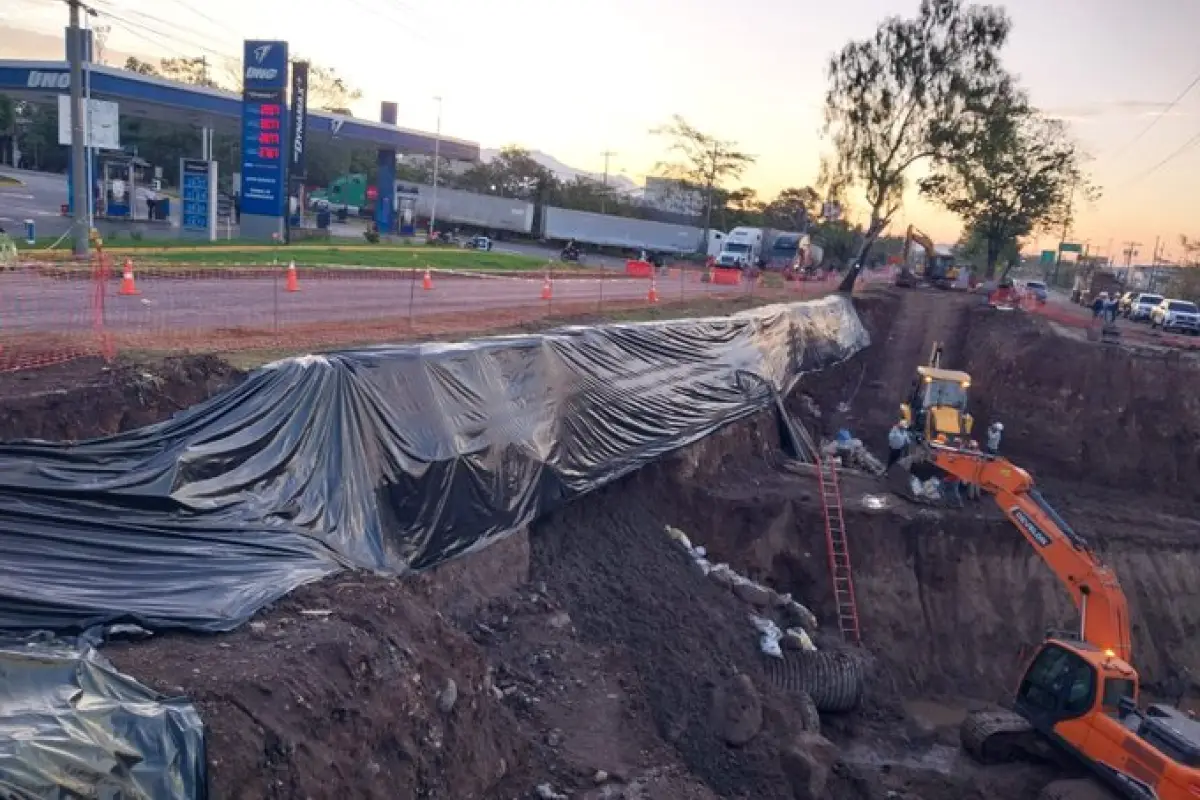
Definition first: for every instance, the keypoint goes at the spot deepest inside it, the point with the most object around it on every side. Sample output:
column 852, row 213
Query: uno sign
column 48, row 80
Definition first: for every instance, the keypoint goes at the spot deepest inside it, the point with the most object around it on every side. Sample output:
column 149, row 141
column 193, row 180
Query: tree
column 329, row 91
column 1191, row 250
column 1010, row 172
column 134, row 64
column 8, row 126
column 893, row 98
column 193, row 71
column 704, row 162
column 975, row 248
column 792, row 209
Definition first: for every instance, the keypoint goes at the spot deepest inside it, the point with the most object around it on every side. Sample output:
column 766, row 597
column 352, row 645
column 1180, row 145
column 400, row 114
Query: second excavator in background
column 1078, row 698
column 938, row 269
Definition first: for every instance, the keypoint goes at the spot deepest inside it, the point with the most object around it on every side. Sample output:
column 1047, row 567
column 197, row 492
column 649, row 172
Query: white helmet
column 998, row 426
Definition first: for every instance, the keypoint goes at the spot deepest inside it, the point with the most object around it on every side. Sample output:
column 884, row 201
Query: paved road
column 31, row 303
column 43, row 194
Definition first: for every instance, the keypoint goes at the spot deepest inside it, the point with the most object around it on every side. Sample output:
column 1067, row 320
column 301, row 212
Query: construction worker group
column 900, row 439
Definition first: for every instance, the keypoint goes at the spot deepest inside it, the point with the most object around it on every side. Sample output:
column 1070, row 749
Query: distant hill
column 619, row 183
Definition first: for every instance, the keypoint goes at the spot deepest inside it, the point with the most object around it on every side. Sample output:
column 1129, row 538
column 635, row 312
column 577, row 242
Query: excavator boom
column 1103, row 609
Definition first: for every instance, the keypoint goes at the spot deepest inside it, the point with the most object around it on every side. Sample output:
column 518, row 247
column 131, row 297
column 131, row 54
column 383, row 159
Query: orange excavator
column 1079, row 693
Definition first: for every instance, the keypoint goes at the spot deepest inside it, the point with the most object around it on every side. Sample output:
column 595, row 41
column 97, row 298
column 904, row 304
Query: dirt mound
column 354, row 687
column 1111, row 416
column 607, row 561
column 90, row 397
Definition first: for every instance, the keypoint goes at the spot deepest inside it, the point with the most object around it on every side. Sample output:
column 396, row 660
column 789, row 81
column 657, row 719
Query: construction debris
column 795, row 623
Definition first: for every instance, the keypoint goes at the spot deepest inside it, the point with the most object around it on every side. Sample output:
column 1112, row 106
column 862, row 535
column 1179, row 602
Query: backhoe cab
column 937, row 406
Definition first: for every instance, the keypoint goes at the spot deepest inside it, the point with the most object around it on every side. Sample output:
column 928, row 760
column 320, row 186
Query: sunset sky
column 574, row 79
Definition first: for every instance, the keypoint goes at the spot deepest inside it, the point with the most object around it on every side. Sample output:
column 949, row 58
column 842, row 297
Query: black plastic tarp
column 72, row 726
column 387, row 459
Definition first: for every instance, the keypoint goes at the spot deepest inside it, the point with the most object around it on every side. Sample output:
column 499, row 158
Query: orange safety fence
column 51, row 313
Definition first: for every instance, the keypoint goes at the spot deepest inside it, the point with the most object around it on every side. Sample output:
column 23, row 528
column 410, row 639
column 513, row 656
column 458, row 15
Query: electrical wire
column 107, row 12
column 1190, row 143
column 1195, row 82
column 207, row 18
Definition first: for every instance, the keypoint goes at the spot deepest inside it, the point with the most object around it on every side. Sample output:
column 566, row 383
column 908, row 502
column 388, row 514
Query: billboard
column 100, row 116
column 264, row 81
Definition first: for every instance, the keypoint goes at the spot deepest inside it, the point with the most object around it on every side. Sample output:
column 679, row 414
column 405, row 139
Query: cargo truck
column 743, row 249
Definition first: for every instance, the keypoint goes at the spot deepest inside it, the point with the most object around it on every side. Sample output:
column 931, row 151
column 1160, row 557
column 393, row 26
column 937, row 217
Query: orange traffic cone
column 293, row 280
column 427, row 281
column 128, row 287
column 547, row 289
column 652, row 297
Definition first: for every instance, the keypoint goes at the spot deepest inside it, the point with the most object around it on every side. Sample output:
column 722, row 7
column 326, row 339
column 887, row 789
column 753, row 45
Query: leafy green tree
column 893, row 98
column 792, row 209
column 701, row 161
column 134, row 64
column 1010, row 172
column 8, row 126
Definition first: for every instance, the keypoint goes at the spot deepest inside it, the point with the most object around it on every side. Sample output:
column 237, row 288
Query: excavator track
column 997, row 737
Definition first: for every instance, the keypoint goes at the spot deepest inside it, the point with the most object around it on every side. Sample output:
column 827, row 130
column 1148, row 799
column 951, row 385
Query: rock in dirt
column 737, row 710
column 752, row 593
column 807, row 762
column 448, row 697
column 546, row 792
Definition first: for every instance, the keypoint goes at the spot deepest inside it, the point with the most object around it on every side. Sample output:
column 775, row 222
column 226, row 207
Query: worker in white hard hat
column 994, row 432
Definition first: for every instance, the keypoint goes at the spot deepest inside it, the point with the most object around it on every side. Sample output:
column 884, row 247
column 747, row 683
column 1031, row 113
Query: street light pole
column 437, row 153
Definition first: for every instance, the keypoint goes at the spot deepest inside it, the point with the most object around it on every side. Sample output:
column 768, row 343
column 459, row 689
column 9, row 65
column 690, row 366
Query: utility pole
column 1066, row 228
column 604, row 195
column 1130, row 252
column 79, row 188
column 437, row 157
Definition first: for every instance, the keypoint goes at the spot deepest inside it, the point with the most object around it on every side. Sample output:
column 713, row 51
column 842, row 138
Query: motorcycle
column 570, row 254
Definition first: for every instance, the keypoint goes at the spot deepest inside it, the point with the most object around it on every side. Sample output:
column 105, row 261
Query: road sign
column 1048, row 256
column 1070, row 247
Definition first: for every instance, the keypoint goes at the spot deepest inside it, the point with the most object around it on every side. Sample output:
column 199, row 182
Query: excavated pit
column 589, row 653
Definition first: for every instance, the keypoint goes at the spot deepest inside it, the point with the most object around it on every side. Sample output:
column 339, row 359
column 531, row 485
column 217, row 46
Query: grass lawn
column 375, row 256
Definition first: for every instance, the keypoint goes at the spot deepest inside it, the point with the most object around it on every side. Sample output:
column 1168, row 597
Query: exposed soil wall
column 88, row 398
column 589, row 654
column 1116, row 417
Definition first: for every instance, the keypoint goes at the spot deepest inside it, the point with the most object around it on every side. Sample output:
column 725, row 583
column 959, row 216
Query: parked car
column 1037, row 290
column 1176, row 315
column 1140, row 306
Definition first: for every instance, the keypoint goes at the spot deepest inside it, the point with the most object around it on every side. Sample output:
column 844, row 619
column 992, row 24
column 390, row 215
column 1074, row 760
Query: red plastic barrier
column 638, row 269
column 726, row 277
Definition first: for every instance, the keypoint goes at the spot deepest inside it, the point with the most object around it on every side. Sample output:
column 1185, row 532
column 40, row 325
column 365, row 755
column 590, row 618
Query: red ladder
column 839, row 551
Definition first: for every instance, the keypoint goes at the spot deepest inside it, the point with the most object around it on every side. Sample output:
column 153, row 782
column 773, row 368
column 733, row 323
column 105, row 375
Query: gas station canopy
column 156, row 98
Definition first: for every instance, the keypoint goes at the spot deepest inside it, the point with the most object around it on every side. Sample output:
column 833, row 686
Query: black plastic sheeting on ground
column 72, row 726
column 385, row 459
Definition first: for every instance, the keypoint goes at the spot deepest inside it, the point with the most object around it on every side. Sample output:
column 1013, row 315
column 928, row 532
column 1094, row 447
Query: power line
column 1190, row 143
column 207, row 18
column 158, row 32
column 1195, row 82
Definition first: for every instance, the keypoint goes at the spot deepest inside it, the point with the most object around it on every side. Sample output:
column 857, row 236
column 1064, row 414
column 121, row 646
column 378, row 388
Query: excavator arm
column 1103, row 610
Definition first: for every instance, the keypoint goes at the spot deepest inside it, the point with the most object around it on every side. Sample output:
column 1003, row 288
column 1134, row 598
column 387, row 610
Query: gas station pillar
column 385, row 217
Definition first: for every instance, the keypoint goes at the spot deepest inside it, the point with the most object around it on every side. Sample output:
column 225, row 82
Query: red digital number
column 268, row 153
column 268, row 138
column 269, row 124
column 269, row 110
